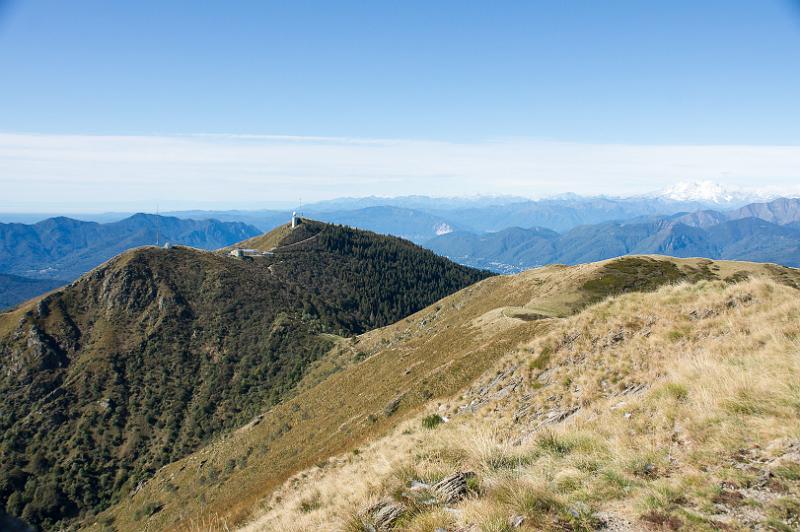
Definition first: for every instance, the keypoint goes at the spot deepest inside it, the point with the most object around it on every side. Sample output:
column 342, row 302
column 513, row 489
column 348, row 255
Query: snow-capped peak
column 707, row 191
column 442, row 228
column 711, row 193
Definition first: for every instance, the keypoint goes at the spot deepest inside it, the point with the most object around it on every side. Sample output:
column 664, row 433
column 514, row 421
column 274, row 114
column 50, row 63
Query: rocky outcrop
column 453, row 488
column 382, row 515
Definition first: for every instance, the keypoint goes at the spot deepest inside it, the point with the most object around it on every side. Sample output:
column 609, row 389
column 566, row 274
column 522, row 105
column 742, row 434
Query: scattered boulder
column 453, row 488
column 616, row 336
column 392, row 406
column 416, row 485
column 615, row 523
column 516, row 521
column 382, row 515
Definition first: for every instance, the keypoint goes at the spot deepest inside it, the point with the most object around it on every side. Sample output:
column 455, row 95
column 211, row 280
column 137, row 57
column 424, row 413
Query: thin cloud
column 87, row 172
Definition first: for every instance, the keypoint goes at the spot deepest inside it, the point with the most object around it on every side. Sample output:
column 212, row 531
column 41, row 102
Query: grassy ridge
column 675, row 409
column 365, row 388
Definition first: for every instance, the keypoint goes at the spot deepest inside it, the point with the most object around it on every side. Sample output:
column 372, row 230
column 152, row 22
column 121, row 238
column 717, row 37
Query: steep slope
column 63, row 248
column 611, row 239
column 159, row 351
column 757, row 239
column 15, row 289
column 672, row 410
column 365, row 388
column 681, row 240
column 780, row 211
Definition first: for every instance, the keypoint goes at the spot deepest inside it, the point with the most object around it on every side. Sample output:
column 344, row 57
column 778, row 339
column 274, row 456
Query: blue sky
column 445, row 73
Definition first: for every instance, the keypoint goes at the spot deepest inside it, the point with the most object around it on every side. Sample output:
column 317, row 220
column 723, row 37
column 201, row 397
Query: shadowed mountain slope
column 159, row 351
column 15, row 289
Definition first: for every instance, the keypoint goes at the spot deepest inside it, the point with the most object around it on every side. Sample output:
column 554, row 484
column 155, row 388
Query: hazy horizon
column 112, row 106
column 740, row 195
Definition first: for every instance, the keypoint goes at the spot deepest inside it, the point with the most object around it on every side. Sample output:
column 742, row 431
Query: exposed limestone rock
column 453, row 488
column 382, row 515
column 615, row 523
column 391, row 406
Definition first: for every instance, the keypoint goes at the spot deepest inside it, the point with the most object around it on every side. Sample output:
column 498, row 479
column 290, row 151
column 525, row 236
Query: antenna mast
column 158, row 234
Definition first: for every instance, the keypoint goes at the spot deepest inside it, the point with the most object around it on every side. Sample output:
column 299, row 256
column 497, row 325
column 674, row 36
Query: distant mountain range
column 768, row 232
column 419, row 218
column 502, row 233
column 64, row 248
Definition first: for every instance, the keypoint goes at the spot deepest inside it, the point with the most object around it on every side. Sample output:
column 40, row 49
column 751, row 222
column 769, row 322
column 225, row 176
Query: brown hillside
column 387, row 376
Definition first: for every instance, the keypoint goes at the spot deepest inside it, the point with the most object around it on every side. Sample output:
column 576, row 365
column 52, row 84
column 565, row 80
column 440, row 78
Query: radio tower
column 158, row 234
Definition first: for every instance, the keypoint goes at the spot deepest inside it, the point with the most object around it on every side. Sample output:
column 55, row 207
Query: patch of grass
column 147, row 510
column 497, row 523
column 427, row 520
column 611, row 485
column 527, row 499
column 633, row 274
column 564, row 444
column 501, row 461
column 432, row 421
column 579, row 517
column 587, row 465
column 678, row 333
column 648, row 466
column 553, row 443
column 786, row 509
column 679, row 392
column 568, row 484
column 543, row 358
column 353, row 523
column 474, row 484
column 310, row 503
column 780, row 526
column 662, row 498
column 788, row 471
column 747, row 402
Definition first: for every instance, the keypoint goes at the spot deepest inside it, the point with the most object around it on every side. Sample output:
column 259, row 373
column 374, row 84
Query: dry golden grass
column 265, row 242
column 550, row 412
column 668, row 390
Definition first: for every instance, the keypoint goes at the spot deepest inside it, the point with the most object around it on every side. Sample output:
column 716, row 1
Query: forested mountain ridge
column 159, row 351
